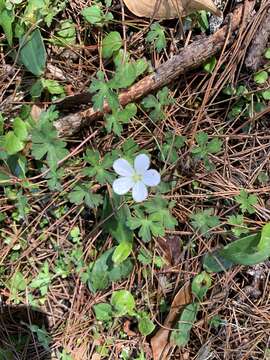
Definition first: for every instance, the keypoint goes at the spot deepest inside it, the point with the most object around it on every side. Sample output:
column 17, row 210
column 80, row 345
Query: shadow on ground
column 23, row 334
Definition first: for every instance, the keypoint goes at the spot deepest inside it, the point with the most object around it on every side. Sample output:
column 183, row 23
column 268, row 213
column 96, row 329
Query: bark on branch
column 188, row 58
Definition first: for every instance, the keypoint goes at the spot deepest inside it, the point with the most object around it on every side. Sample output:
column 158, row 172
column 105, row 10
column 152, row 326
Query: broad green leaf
column 66, row 35
column 12, row 144
column 111, row 43
column 267, row 54
column 145, row 325
column 103, row 312
column 266, row 95
column 6, row 20
column 210, row 65
column 200, row 285
column 20, row 128
column 249, row 250
column 104, row 271
column 122, row 251
column 261, row 77
column 32, row 52
column 181, row 335
column 123, row 302
column 17, row 282
column 116, row 224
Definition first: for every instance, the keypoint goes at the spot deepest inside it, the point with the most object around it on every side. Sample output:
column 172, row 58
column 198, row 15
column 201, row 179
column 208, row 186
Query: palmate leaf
column 148, row 226
column 98, row 167
column 82, row 194
column 103, row 93
column 46, row 143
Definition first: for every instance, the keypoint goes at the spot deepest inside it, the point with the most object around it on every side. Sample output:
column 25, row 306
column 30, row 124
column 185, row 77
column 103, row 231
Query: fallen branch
column 255, row 54
column 188, row 58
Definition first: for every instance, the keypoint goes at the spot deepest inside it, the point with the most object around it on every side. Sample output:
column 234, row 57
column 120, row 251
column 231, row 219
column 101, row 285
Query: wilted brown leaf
column 171, row 248
column 169, row 9
column 160, row 342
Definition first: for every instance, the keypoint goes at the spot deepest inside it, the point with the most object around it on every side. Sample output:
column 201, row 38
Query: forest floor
column 104, row 270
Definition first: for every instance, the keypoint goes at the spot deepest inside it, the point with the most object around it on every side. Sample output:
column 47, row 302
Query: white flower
column 136, row 178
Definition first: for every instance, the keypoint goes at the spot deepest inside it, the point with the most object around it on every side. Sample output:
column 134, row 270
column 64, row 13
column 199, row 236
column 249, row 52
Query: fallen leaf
column 96, row 356
column 160, row 342
column 169, row 9
column 35, row 112
column 171, row 248
column 127, row 330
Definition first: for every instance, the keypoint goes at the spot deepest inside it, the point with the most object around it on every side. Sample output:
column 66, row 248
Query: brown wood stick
column 190, row 57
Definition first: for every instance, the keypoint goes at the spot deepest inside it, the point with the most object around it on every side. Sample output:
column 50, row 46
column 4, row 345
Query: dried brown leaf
column 160, row 342
column 169, row 9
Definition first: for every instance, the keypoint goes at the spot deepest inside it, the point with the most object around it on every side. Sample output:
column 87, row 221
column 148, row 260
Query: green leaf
column 156, row 36
column 45, row 141
column 266, row 95
column 98, row 166
column 200, row 285
column 114, row 217
column 249, row 250
column 82, row 194
column 20, row 129
column 6, row 20
column 238, row 222
column 114, row 122
column 267, row 54
column 181, row 335
column 204, row 220
column 103, row 92
column 32, row 52
column 103, row 312
column 147, row 226
column 145, row 257
column 146, row 325
column 261, row 77
column 12, row 144
column 66, row 35
column 157, row 104
column 123, row 303
column 42, row 280
column 122, row 252
column 160, row 210
column 17, row 282
column 52, row 86
column 104, row 271
column 111, row 43
column 93, row 14
column 246, row 201
column 210, row 65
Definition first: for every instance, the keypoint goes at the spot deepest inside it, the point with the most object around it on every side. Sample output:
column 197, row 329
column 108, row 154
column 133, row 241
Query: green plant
column 157, row 104
column 249, row 250
column 156, row 36
column 204, row 221
column 122, row 304
column 246, row 201
column 205, row 147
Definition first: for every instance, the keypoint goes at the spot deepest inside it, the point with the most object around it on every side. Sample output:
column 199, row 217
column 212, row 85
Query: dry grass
column 239, row 296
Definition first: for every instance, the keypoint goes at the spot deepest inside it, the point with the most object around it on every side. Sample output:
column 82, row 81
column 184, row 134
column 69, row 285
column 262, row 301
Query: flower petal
column 122, row 185
column 122, row 167
column 141, row 164
column 151, row 177
column 139, row 191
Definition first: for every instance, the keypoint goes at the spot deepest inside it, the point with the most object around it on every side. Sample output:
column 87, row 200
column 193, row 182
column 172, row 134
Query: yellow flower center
column 136, row 177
